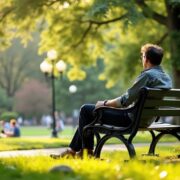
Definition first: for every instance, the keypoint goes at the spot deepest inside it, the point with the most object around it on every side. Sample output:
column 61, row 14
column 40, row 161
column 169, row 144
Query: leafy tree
column 5, row 101
column 83, row 30
column 33, row 100
column 7, row 116
column 88, row 91
column 17, row 65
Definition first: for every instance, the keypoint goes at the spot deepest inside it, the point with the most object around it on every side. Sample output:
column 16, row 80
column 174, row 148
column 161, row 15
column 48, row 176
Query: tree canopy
column 84, row 30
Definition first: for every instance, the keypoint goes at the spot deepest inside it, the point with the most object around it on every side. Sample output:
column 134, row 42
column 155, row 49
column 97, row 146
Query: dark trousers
column 86, row 117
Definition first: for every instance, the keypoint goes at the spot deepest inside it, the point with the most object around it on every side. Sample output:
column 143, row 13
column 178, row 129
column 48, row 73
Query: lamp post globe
column 72, row 88
column 52, row 54
column 61, row 66
column 45, row 67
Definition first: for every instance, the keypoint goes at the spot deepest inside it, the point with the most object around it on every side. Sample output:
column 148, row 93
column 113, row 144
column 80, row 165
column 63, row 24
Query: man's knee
column 87, row 108
column 83, row 108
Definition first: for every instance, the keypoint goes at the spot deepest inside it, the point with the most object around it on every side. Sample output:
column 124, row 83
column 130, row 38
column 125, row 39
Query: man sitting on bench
column 152, row 76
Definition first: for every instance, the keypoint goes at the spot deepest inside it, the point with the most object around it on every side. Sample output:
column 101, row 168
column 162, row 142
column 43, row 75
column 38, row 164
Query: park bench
column 151, row 102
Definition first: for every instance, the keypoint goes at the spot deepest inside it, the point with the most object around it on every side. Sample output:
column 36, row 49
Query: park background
column 99, row 40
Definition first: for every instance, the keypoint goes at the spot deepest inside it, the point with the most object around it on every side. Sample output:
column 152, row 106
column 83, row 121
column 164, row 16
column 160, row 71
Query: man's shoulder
column 154, row 71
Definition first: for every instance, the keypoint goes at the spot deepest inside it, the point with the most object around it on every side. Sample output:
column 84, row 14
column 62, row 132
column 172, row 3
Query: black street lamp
column 52, row 69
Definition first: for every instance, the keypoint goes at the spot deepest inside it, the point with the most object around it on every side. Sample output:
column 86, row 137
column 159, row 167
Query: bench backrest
column 161, row 102
column 156, row 102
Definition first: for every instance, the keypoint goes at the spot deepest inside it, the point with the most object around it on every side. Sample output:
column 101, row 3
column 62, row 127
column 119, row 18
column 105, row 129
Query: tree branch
column 160, row 41
column 149, row 13
column 108, row 21
column 7, row 11
column 84, row 35
column 98, row 23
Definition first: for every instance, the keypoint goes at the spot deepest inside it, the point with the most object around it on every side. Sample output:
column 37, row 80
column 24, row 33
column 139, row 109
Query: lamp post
column 49, row 69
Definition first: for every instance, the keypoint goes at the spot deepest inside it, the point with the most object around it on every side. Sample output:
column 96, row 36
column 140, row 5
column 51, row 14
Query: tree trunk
column 173, row 11
column 176, row 76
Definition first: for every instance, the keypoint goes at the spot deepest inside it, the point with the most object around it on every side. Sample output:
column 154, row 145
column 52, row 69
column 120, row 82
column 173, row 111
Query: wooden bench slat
column 165, row 102
column 160, row 112
column 162, row 93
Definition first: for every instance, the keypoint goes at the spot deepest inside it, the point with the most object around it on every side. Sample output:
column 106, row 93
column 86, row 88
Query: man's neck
column 149, row 66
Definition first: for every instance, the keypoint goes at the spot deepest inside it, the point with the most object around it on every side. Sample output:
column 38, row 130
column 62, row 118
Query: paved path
column 47, row 152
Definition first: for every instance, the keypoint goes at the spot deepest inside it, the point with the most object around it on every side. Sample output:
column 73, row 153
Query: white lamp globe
column 45, row 67
column 61, row 66
column 72, row 89
column 52, row 54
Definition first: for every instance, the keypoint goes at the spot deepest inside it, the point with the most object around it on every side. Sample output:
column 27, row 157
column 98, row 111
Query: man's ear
column 147, row 60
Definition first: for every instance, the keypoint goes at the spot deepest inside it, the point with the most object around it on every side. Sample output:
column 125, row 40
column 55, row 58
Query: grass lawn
column 112, row 167
column 44, row 131
column 33, row 131
column 39, row 138
column 31, row 143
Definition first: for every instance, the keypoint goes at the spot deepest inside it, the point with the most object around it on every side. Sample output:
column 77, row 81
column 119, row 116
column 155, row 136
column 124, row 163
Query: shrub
column 7, row 116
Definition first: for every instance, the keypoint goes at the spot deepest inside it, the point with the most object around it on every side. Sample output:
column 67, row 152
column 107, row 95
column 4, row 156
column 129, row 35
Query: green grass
column 112, row 167
column 31, row 143
column 33, row 131
column 39, row 138
column 43, row 131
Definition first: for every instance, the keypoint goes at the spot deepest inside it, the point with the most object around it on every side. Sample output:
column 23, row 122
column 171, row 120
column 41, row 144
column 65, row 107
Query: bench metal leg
column 175, row 134
column 153, row 135
column 100, row 144
column 154, row 143
column 98, row 137
column 131, row 150
column 155, row 140
column 102, row 141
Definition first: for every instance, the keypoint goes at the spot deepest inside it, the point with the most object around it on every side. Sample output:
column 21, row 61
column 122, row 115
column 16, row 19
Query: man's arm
column 129, row 97
column 110, row 103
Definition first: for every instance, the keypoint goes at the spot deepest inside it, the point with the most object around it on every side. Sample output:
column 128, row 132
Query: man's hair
column 153, row 53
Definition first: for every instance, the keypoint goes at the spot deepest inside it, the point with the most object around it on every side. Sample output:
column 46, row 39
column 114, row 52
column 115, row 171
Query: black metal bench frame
column 151, row 102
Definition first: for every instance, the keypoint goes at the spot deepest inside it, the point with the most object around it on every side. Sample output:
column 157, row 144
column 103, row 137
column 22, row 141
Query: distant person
column 59, row 122
column 5, row 125
column 20, row 120
column 152, row 76
column 75, row 116
column 14, row 130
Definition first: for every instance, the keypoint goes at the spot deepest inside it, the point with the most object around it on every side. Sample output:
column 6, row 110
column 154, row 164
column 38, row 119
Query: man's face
column 143, row 58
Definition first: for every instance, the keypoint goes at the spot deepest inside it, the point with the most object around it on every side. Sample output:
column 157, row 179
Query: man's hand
column 99, row 103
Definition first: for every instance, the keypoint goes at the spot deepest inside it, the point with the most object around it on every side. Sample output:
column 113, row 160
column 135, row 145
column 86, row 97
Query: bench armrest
column 102, row 111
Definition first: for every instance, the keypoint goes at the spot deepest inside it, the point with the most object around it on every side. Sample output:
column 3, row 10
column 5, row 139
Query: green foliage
column 5, row 102
column 83, row 31
column 112, row 167
column 18, row 64
column 7, row 116
column 90, row 90
column 105, row 8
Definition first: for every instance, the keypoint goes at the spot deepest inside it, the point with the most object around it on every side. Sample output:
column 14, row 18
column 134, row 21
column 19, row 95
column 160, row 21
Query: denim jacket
column 153, row 77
